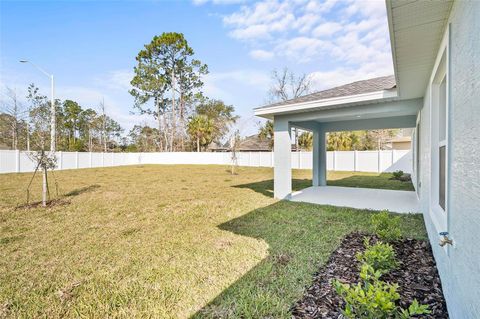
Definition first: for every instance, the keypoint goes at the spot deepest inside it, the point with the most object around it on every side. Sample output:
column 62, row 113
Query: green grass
column 166, row 242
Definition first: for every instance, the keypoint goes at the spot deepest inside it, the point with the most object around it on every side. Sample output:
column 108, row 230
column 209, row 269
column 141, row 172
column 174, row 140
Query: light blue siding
column 459, row 266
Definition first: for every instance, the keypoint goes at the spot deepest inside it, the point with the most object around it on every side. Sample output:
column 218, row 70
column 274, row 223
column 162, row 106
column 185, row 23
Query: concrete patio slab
column 362, row 198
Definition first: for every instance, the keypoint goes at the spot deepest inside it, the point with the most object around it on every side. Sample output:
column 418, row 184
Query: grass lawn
column 168, row 242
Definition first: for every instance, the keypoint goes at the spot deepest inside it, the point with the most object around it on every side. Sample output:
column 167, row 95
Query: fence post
column 60, row 160
column 379, row 161
column 334, row 165
column 355, row 159
column 17, row 161
column 76, row 160
column 393, row 156
column 299, row 160
column 90, row 159
column 271, row 158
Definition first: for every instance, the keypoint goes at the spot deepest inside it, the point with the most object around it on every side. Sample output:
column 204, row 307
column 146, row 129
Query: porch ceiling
column 391, row 114
column 416, row 30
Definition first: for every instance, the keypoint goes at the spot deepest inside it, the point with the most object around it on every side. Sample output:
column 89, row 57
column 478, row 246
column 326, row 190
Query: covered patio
column 361, row 198
column 363, row 105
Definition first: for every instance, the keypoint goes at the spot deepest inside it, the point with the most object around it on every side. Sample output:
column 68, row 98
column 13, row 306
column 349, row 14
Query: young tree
column 234, row 144
column 165, row 66
column 40, row 116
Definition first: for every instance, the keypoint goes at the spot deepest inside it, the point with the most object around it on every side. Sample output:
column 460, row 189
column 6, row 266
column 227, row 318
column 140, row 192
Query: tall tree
column 222, row 116
column 165, row 66
column 14, row 115
column 286, row 85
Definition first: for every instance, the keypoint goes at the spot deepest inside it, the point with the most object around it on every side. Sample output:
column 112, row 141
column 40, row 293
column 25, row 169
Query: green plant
column 397, row 174
column 369, row 299
column 380, row 256
column 385, row 226
column 374, row 299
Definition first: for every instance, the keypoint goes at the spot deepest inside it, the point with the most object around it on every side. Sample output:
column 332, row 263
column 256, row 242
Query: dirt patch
column 50, row 203
column 416, row 276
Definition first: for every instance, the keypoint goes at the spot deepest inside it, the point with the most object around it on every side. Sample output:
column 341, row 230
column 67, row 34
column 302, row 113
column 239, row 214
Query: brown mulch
column 416, row 276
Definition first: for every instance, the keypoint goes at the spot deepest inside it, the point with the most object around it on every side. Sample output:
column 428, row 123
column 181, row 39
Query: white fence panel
column 8, row 161
column 365, row 161
column 344, row 161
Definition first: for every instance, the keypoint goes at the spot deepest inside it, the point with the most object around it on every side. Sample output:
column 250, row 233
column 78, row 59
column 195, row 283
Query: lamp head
column 23, row 61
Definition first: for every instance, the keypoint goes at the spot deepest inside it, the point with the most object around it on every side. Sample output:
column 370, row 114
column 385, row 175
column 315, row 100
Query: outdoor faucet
column 445, row 240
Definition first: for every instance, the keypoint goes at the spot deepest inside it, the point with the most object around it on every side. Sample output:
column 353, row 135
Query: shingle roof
column 354, row 88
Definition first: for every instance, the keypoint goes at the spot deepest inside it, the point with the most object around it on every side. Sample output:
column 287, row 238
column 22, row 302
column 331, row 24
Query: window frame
column 440, row 72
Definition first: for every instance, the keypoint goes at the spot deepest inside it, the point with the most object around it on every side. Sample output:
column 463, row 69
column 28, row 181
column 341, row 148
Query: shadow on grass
column 82, row 190
column 381, row 181
column 300, row 238
column 266, row 187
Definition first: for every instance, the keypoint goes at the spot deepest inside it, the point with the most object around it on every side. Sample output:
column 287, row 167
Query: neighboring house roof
column 254, row 143
column 359, row 87
column 400, row 139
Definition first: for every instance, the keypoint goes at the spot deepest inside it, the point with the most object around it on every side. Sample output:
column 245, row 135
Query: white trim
column 303, row 106
column 438, row 215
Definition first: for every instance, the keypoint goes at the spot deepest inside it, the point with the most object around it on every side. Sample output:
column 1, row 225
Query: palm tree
column 200, row 128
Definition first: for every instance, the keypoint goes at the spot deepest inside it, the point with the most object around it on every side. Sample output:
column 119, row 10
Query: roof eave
column 388, row 4
column 364, row 98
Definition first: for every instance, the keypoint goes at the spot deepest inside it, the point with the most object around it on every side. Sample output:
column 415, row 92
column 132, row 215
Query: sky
column 90, row 47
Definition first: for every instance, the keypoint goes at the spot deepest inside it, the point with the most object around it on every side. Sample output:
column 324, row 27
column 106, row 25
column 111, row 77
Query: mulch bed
column 416, row 276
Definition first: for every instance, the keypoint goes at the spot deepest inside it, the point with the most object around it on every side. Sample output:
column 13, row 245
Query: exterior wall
column 459, row 265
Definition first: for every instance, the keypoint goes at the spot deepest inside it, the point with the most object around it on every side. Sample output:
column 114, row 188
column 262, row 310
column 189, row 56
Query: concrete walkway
column 362, row 198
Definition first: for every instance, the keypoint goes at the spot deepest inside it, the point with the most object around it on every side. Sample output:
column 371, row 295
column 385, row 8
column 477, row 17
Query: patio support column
column 282, row 185
column 319, row 157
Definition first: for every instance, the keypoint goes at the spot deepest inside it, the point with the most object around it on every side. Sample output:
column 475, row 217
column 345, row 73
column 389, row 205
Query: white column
column 283, row 159
column 319, row 158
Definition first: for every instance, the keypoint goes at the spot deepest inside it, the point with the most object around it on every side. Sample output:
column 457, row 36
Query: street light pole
column 53, row 113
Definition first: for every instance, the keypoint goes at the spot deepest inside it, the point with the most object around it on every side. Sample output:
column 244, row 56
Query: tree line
column 26, row 125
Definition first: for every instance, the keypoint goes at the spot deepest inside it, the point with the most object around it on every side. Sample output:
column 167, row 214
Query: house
column 435, row 90
column 400, row 143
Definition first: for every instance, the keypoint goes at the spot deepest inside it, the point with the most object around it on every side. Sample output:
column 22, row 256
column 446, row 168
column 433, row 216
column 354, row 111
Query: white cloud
column 327, row 29
column 347, row 32
column 220, row 2
column 261, row 54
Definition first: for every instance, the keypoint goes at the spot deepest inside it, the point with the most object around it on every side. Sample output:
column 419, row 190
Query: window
column 442, row 141
column 439, row 109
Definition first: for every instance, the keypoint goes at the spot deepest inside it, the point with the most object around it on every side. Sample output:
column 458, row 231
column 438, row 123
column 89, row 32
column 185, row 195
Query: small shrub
column 371, row 299
column 374, row 299
column 385, row 226
column 380, row 256
column 397, row 174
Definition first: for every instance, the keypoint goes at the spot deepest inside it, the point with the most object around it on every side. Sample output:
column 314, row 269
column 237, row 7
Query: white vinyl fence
column 360, row 161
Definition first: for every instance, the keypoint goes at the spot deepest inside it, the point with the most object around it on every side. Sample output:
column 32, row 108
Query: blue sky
column 90, row 46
